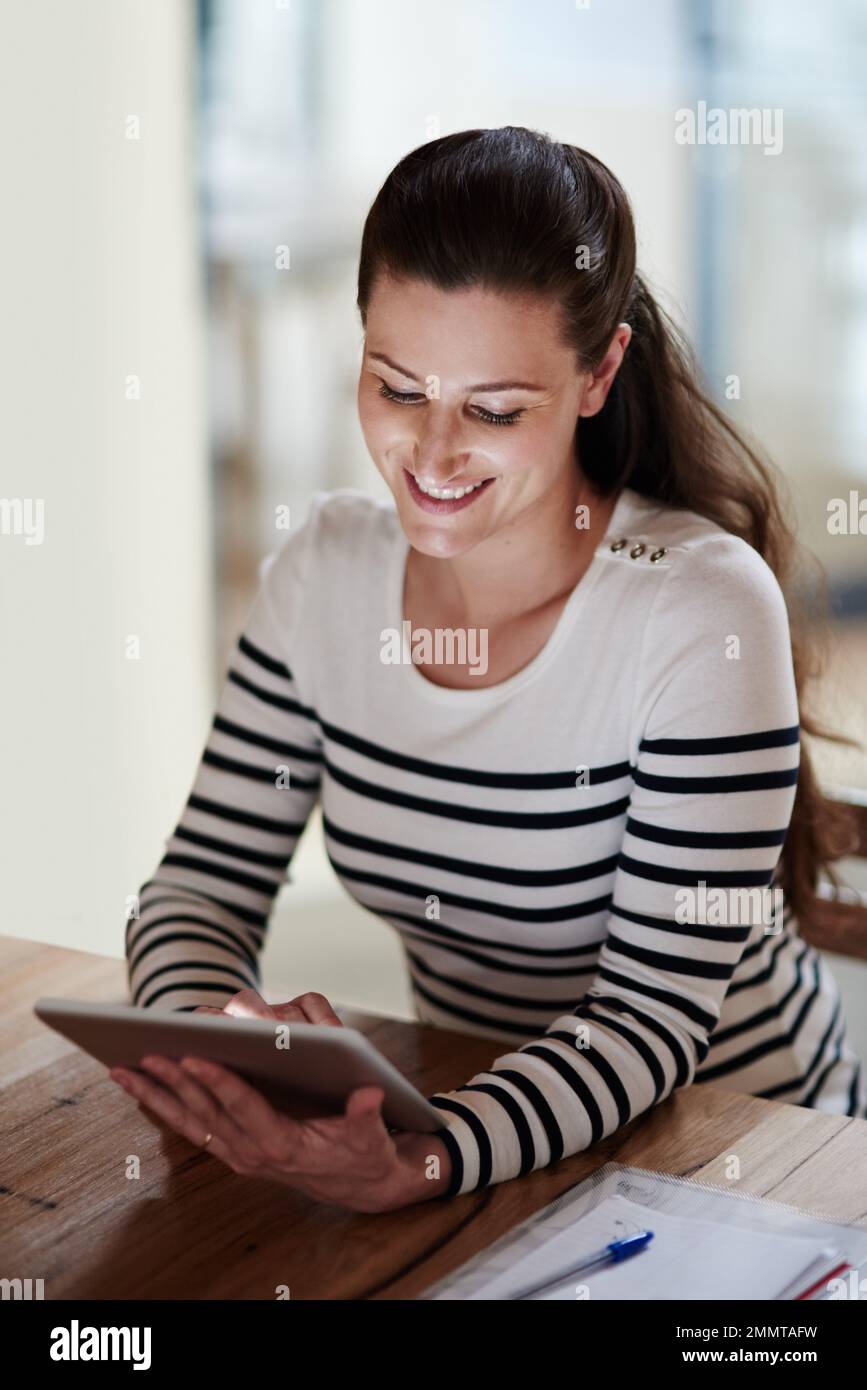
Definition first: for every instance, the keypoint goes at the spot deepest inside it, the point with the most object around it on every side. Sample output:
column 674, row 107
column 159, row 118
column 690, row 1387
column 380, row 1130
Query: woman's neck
column 532, row 563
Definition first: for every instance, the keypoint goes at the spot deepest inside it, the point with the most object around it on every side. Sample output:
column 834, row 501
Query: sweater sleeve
column 201, row 918
column 714, row 767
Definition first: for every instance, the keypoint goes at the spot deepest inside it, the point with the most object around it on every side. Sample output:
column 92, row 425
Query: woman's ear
column 602, row 379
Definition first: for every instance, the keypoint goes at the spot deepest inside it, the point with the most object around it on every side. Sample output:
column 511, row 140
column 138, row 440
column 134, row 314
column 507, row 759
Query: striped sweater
column 581, row 861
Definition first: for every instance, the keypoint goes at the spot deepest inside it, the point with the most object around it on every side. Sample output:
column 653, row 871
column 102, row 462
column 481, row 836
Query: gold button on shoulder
column 658, row 554
column 637, row 550
column 618, row 545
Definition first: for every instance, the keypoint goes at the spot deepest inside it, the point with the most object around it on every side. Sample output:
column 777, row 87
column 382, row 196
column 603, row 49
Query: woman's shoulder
column 344, row 523
column 699, row 553
column 336, row 551
column 346, row 514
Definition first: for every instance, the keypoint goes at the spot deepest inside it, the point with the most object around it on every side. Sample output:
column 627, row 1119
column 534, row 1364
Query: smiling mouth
column 448, row 493
column 444, row 499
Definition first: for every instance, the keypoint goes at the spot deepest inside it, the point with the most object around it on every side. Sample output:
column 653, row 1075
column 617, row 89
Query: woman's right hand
column 304, row 1008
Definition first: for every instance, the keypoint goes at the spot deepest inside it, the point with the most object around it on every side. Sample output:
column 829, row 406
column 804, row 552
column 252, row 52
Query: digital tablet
column 313, row 1075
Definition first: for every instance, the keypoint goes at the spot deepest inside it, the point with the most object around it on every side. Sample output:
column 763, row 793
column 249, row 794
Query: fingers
column 207, row 1009
column 365, row 1102
column 304, row 1008
column 200, row 1102
column 248, row 1004
column 366, row 1128
column 349, row 1161
column 274, row 1134
column 168, row 1108
column 314, row 1008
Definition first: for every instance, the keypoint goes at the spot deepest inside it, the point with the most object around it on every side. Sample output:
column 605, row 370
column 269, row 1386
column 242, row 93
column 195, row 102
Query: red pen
column 825, row 1280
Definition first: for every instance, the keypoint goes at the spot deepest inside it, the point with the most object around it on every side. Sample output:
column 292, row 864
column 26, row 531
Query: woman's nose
column 437, row 472
column 437, row 461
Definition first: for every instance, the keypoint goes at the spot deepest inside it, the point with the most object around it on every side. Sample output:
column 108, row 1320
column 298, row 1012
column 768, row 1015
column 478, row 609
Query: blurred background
column 186, row 183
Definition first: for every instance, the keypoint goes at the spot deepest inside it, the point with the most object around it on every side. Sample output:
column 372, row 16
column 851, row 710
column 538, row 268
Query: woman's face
column 470, row 389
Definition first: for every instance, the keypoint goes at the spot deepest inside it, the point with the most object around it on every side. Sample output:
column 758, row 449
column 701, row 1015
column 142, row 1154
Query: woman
column 563, row 804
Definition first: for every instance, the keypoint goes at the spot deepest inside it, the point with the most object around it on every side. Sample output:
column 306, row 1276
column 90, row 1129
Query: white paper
column 688, row 1258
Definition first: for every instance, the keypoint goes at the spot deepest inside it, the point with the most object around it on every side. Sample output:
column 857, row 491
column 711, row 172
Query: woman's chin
column 442, row 540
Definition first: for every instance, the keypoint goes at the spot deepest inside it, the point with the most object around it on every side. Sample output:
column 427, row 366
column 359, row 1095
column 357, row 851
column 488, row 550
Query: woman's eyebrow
column 480, row 386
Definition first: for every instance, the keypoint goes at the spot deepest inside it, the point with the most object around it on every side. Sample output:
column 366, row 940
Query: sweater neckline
column 491, row 694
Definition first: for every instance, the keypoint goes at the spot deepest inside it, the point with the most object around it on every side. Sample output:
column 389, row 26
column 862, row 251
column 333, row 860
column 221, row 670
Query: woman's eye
column 405, row 397
column 415, row 397
column 493, row 419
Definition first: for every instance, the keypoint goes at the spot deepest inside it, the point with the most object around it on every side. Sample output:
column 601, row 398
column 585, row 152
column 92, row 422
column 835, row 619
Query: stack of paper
column 707, row 1244
column 712, row 1260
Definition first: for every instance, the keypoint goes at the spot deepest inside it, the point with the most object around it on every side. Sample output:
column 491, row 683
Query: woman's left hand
column 348, row 1160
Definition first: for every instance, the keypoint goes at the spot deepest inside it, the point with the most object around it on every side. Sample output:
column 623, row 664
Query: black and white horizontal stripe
column 204, row 913
column 534, row 912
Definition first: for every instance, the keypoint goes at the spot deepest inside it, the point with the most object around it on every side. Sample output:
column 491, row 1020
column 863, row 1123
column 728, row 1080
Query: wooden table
column 189, row 1228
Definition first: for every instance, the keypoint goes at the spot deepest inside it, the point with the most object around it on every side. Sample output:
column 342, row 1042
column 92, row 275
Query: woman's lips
column 443, row 505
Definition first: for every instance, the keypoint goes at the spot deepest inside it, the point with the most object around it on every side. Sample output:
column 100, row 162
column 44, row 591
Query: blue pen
column 612, row 1254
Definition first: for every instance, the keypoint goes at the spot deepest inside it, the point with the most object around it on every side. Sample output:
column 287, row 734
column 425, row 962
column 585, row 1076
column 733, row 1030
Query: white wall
column 99, row 279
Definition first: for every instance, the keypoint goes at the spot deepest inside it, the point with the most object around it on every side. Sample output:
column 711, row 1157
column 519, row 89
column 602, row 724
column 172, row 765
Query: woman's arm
column 202, row 916
column 717, row 736
column 196, row 939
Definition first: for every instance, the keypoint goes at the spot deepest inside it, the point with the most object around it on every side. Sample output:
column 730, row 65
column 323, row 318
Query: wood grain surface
column 189, row 1228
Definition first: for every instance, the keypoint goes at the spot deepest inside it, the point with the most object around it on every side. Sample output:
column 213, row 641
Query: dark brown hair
column 512, row 210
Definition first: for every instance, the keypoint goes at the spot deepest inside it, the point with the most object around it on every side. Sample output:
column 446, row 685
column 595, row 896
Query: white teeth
column 446, row 494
